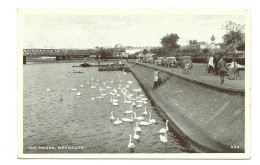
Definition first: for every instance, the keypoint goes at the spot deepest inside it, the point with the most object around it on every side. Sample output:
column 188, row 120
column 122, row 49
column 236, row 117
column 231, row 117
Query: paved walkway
column 198, row 73
column 203, row 117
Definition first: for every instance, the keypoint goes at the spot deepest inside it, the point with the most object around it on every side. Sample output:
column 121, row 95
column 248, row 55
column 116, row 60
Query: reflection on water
column 79, row 121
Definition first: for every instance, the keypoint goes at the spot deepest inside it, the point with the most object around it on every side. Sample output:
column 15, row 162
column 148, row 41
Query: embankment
column 206, row 119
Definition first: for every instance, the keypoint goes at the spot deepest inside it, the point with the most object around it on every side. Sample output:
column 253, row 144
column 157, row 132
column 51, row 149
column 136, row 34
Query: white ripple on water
column 78, row 120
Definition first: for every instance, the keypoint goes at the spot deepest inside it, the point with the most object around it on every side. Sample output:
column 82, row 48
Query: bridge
column 60, row 54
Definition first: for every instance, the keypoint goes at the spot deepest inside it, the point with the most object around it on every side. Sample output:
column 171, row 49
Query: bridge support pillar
column 24, row 59
column 57, row 58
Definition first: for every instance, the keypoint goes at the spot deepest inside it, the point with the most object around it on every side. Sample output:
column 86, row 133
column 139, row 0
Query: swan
column 164, row 138
column 73, row 89
column 93, row 98
column 139, row 105
column 115, row 103
column 108, row 87
column 81, row 86
column 164, row 130
column 112, row 117
column 144, row 99
column 129, row 111
column 137, row 90
column 144, row 123
column 145, row 102
column 93, row 86
column 127, row 101
column 117, row 121
column 100, row 97
column 151, row 120
column 137, row 118
column 136, row 137
column 48, row 90
column 78, row 93
column 101, row 89
column 96, row 84
column 145, row 112
column 137, row 128
column 118, row 95
column 130, row 82
column 127, row 119
column 131, row 145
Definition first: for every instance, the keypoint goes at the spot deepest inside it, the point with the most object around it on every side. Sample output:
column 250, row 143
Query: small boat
column 78, row 71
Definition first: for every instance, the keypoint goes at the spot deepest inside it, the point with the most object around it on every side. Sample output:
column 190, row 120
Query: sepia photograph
column 134, row 83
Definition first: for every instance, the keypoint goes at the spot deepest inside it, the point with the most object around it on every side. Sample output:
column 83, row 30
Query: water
column 77, row 121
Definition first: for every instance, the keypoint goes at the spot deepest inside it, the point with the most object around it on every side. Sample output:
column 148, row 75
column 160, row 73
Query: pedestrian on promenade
column 157, row 79
column 222, row 69
column 215, row 61
column 210, row 66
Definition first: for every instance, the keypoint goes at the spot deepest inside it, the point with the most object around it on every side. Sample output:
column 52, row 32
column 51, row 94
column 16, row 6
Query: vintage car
column 171, row 61
column 160, row 61
column 185, row 62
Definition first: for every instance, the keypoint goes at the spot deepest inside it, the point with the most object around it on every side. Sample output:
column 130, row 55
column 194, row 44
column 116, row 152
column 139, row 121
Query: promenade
column 199, row 74
column 200, row 115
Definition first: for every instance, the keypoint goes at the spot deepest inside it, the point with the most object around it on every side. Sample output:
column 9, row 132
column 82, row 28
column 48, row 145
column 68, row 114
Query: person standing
column 222, row 69
column 215, row 61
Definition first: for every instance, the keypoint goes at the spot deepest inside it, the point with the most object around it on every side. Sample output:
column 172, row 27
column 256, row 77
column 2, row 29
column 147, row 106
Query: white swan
column 137, row 90
column 145, row 112
column 129, row 111
column 137, row 128
column 164, row 130
column 108, row 87
column 112, row 117
column 144, row 99
column 48, row 90
column 78, row 93
column 127, row 119
column 139, row 105
column 127, row 101
column 164, row 138
column 136, row 137
column 81, row 86
column 137, row 118
column 100, row 97
column 93, row 98
column 92, row 86
column 144, row 123
column 115, row 103
column 151, row 120
column 130, row 82
column 73, row 89
column 117, row 121
column 131, row 145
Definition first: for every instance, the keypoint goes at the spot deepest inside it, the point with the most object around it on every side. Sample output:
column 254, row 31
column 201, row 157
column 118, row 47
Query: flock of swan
column 132, row 97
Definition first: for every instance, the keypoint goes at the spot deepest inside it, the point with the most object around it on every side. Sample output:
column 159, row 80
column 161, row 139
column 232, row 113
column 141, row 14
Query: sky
column 89, row 31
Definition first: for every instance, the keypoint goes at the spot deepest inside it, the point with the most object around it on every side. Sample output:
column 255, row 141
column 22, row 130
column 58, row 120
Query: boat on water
column 78, row 71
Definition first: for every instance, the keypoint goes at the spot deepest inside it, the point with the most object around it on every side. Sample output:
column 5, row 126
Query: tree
column 145, row 51
column 170, row 42
column 235, row 36
column 192, row 42
column 205, row 51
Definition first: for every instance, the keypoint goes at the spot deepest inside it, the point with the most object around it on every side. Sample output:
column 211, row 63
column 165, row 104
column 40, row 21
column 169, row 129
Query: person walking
column 222, row 69
column 215, row 61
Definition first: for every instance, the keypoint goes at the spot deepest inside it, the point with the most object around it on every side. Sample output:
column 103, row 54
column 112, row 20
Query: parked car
column 185, row 62
column 160, row 61
column 150, row 60
column 171, row 61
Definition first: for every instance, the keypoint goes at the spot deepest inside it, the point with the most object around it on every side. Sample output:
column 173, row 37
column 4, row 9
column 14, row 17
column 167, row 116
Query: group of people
column 217, row 65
